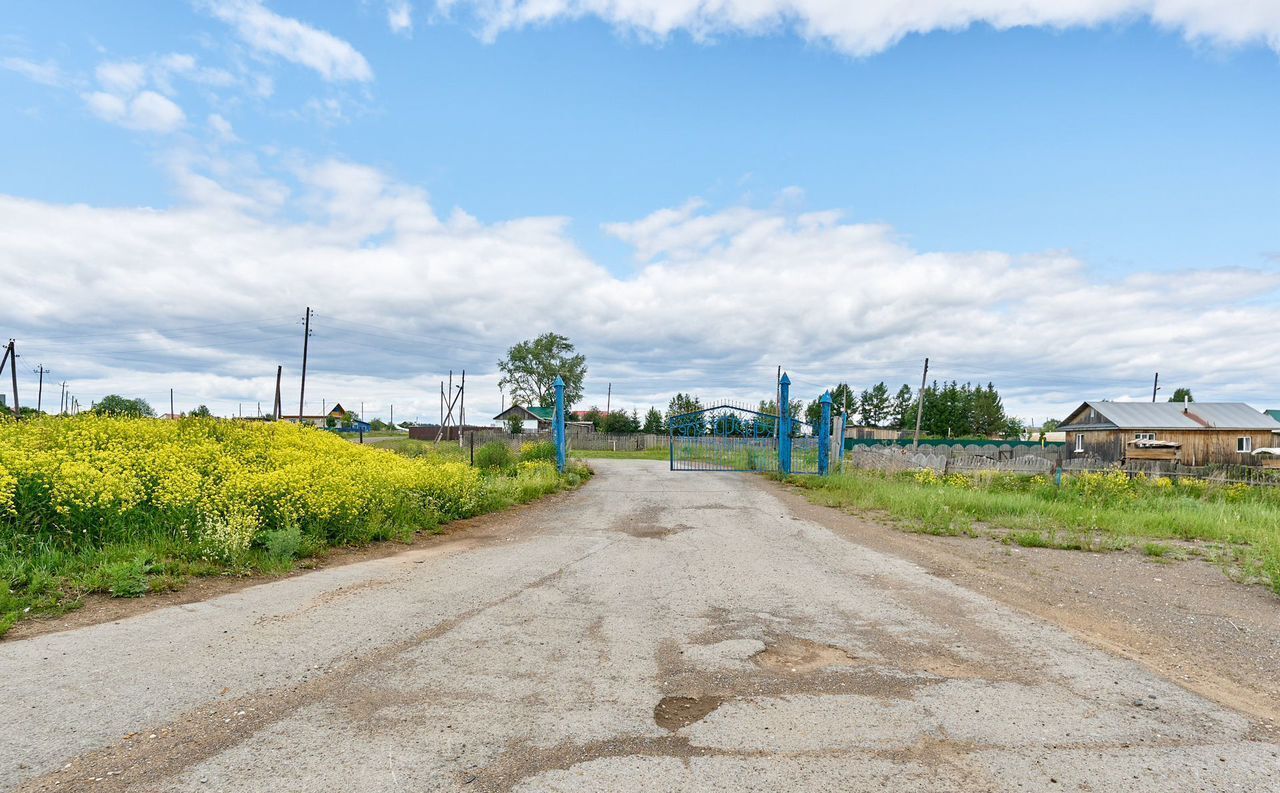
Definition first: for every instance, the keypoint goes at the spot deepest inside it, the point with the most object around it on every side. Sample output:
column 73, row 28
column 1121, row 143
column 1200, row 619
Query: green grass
column 1094, row 513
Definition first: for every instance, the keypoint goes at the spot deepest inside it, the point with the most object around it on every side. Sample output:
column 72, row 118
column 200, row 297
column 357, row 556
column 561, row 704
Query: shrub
column 538, row 450
column 494, row 454
column 283, row 544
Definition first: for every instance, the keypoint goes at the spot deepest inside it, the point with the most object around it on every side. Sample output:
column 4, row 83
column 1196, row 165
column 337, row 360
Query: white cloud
column 222, row 129
column 400, row 16
column 145, row 112
column 121, row 77
column 46, row 73
column 718, row 298
column 295, row 41
column 866, row 27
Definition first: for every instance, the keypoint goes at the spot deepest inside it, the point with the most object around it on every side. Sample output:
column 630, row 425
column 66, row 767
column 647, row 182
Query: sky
column 1061, row 197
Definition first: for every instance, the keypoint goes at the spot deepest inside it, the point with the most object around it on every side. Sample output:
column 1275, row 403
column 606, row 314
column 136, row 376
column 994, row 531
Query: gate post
column 824, row 437
column 559, row 424
column 784, row 425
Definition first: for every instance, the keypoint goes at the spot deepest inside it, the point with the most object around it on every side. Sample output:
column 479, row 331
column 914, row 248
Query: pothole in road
column 653, row 532
column 801, row 656
column 672, row 713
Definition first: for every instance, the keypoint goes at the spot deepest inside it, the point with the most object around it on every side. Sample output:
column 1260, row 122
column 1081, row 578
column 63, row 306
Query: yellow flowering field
column 122, row 505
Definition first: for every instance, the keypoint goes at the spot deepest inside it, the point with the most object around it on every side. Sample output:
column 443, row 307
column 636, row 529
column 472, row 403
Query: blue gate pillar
column 784, row 425
column 559, row 423
column 824, row 437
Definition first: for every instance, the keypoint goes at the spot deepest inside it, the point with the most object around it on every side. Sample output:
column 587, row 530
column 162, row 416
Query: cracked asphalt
column 651, row 631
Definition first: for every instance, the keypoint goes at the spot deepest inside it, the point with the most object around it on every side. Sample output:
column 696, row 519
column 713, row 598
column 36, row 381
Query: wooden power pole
column 915, row 444
column 277, row 405
column 11, row 358
column 306, row 338
column 40, row 370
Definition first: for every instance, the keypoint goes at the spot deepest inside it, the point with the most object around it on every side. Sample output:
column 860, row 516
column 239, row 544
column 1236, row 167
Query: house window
column 1144, row 436
column 1244, row 445
column 1079, row 441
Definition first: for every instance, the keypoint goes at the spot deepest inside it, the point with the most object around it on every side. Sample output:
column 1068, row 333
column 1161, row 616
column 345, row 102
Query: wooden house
column 1191, row 433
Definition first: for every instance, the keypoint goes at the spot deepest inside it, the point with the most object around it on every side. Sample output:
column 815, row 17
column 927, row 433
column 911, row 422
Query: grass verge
column 1236, row 525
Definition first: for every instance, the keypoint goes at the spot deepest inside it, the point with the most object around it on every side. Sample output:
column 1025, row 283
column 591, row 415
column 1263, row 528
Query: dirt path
column 652, row 631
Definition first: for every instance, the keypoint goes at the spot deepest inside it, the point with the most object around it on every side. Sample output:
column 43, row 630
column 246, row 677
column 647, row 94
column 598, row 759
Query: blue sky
column 1136, row 150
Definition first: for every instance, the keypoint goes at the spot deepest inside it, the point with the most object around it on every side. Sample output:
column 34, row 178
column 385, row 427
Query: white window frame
column 1244, row 444
column 1144, row 436
column 1079, row 442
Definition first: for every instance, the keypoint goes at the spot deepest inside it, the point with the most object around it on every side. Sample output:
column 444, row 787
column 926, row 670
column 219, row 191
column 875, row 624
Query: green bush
column 283, row 543
column 125, row 579
column 494, row 454
column 538, row 450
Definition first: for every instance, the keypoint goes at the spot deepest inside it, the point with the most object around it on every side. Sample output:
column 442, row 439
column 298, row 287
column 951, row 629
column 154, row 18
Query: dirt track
column 653, row 631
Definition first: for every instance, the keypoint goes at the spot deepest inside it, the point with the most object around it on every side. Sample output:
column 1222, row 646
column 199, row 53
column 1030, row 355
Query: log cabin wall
column 1199, row 447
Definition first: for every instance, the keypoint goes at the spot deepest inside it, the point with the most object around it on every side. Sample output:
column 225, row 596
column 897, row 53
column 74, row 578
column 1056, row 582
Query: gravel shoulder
column 1185, row 620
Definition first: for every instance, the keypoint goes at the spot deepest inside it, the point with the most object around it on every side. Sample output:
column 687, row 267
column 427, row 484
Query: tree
column 901, row 414
column 530, row 369
column 200, row 411
column 515, row 424
column 653, row 422
column 687, row 403
column 874, row 405
column 116, row 405
column 987, row 412
column 619, row 421
column 841, row 396
column 1182, row 395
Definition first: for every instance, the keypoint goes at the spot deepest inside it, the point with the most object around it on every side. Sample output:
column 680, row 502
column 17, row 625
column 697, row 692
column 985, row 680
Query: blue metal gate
column 732, row 438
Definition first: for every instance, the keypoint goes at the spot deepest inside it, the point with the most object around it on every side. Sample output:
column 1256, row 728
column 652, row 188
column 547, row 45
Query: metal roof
column 1170, row 416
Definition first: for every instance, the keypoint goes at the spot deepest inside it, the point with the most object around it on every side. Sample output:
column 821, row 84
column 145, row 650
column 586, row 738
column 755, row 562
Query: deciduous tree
column 530, row 369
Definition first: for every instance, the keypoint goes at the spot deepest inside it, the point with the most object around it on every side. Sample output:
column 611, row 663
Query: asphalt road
column 652, row 631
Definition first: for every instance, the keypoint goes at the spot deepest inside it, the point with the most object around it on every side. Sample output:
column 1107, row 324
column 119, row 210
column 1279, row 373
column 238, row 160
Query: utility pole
column 11, row 357
column 306, row 337
column 608, row 400
column 1155, row 387
column 393, row 415
column 915, row 444
column 462, row 406
column 275, row 410
column 62, row 401
column 40, row 370
column 171, row 414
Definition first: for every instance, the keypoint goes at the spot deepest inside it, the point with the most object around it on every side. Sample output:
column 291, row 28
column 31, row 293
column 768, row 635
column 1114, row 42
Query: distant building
column 533, row 419
column 336, row 415
column 540, row 419
column 1192, row 433
column 872, row 433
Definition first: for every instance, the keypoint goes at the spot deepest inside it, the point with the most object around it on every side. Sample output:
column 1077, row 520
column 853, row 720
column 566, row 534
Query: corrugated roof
column 1170, row 416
